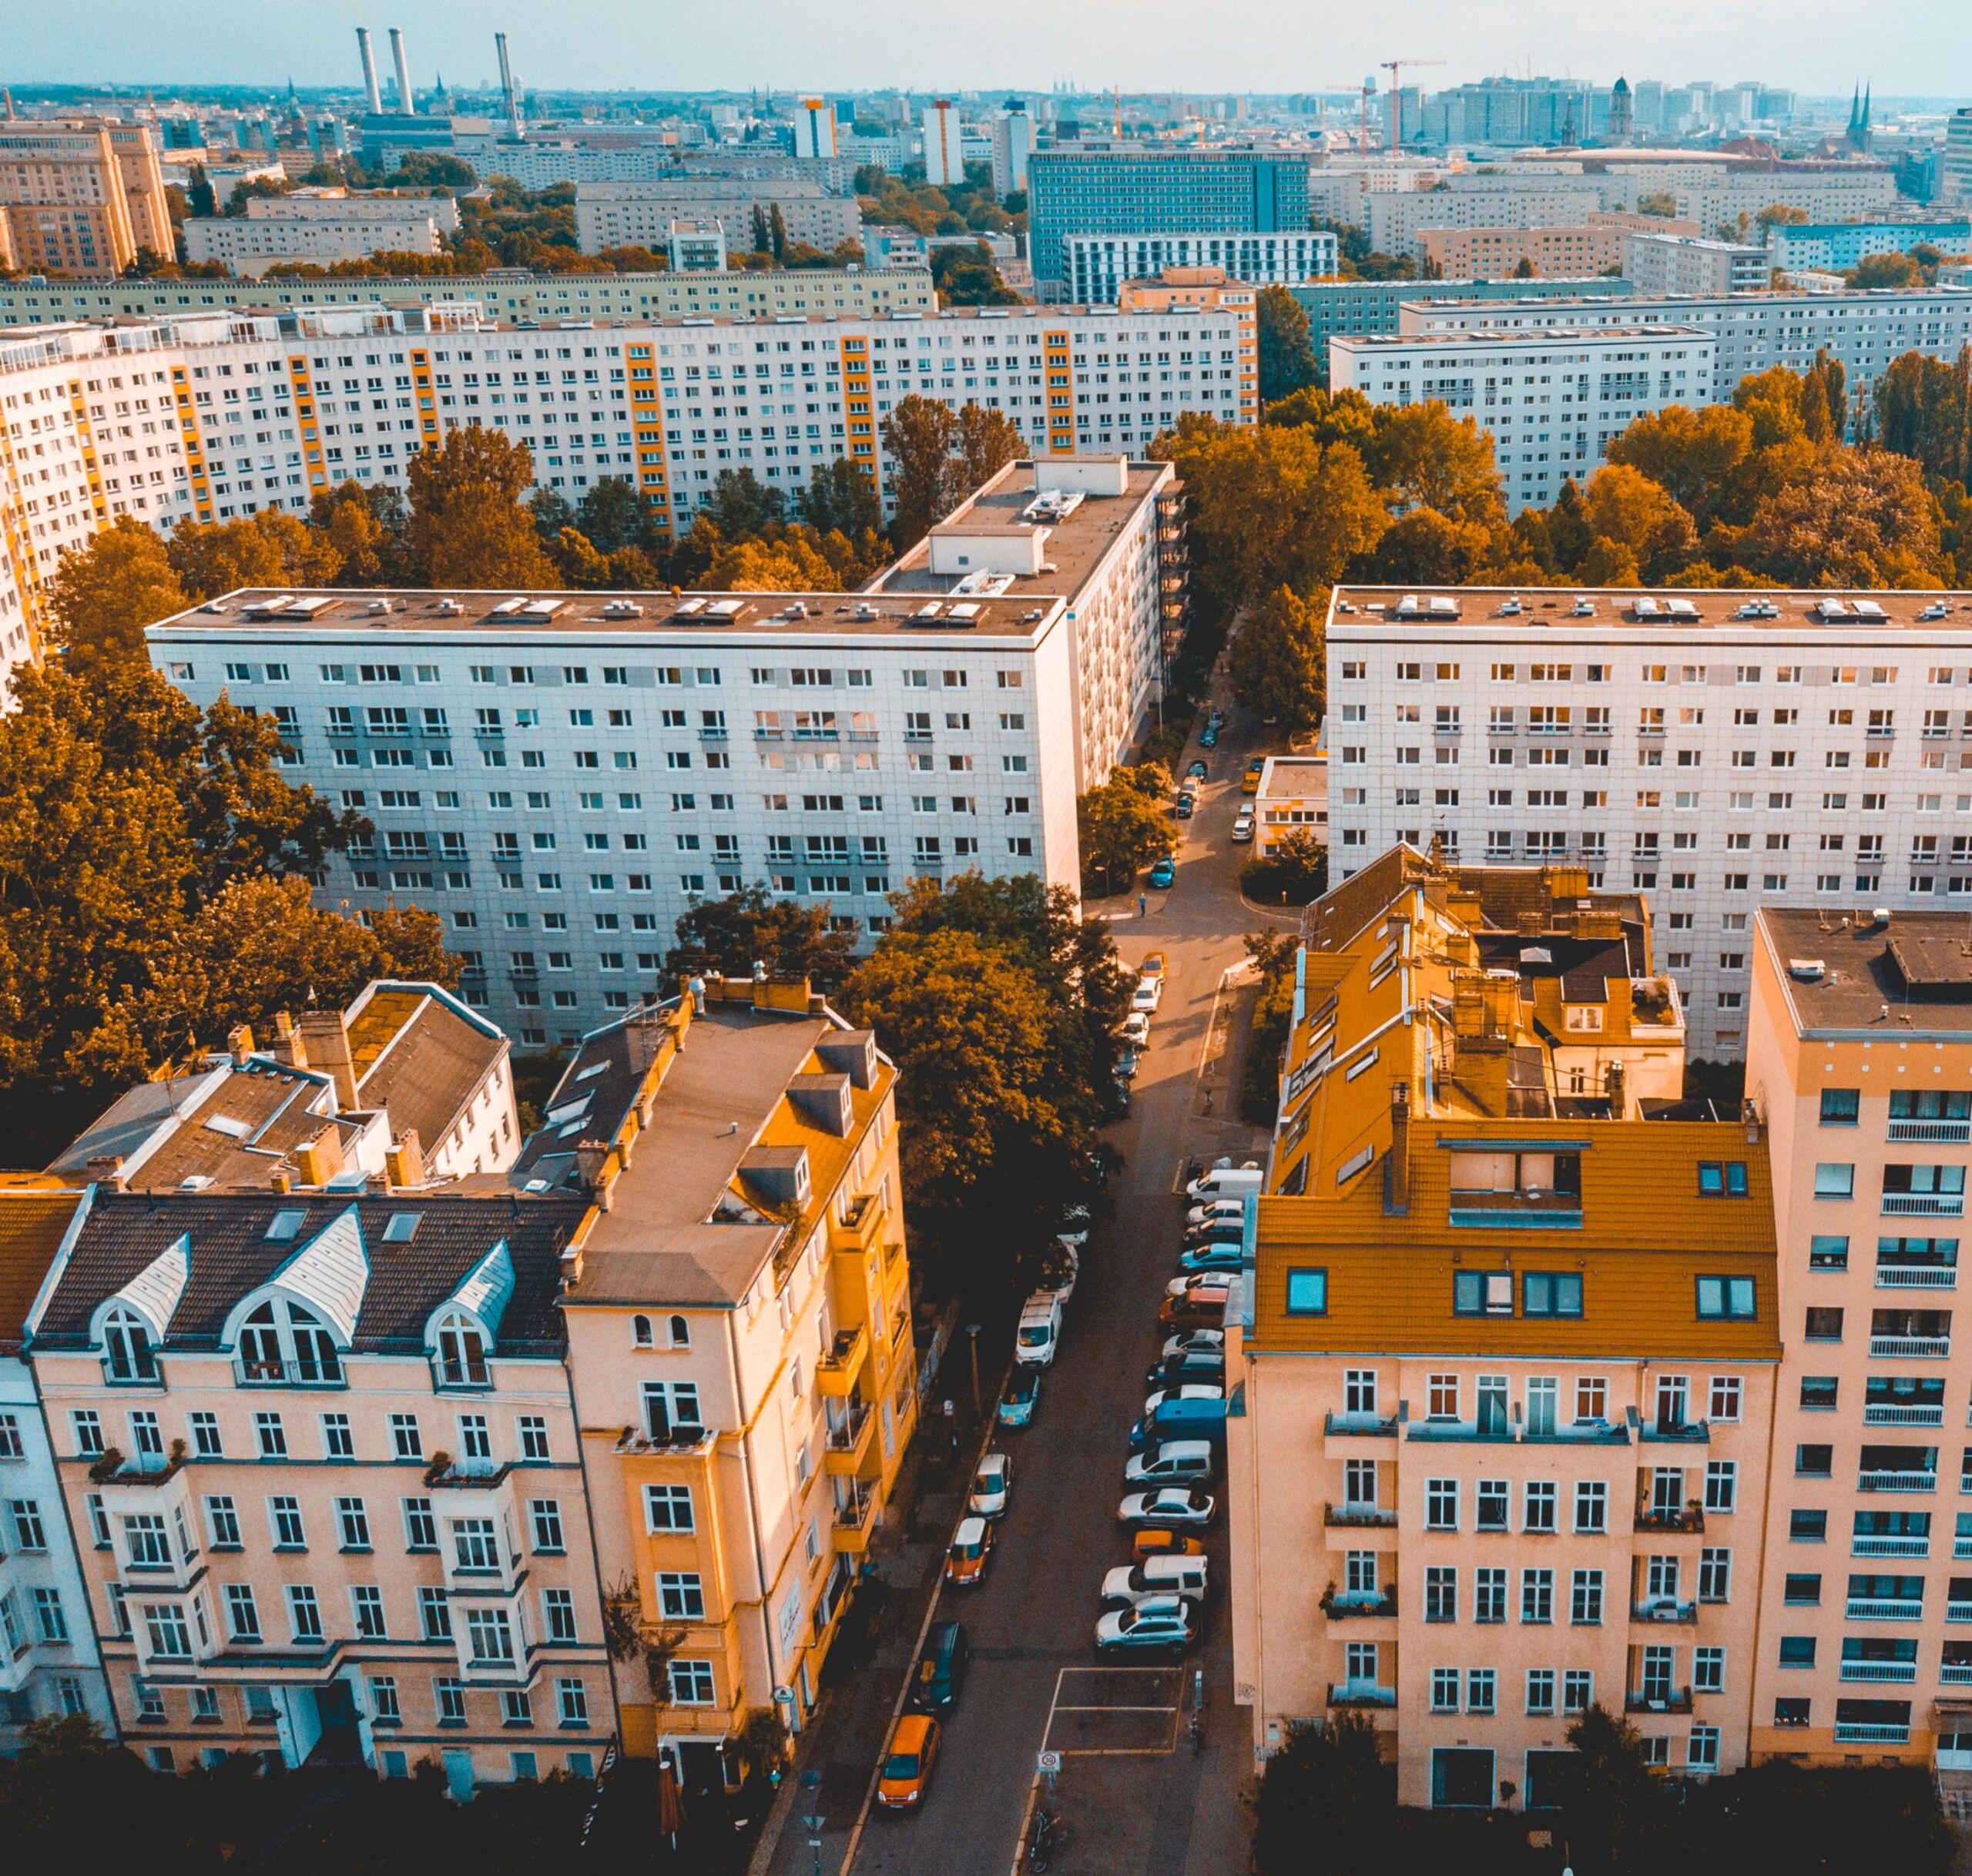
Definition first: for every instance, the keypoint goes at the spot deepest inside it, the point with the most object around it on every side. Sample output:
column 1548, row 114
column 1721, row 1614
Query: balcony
column 1880, row 1671
column 855, row 1518
column 1871, row 1609
column 847, row 1442
column 1359, row 1517
column 1658, row 1700
column 1362, row 1425
column 1924, row 1205
column 1920, row 1347
column 1917, row 1276
column 1342, row 1608
column 1956, row 1674
column 259, row 1373
column 1938, row 1133
column 837, row 1372
column 1881, row 1416
column 855, row 1231
column 1677, row 1432
column 1670, row 1518
column 1664, row 1609
column 1896, row 1481
column 1889, row 1547
column 1517, row 1210
column 1361, row 1694
column 1850, row 1733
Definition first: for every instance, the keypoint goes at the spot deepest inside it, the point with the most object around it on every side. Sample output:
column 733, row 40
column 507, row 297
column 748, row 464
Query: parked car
column 1209, row 1210
column 1196, row 1410
column 990, row 1484
column 1129, row 1583
column 1250, row 783
column 1173, row 1461
column 1164, row 873
column 972, row 1545
column 1074, row 1226
column 1023, row 1394
column 1242, row 829
column 1199, row 770
column 1154, row 966
column 913, row 1751
column 1136, row 1030
column 1203, row 1367
column 1152, row 1543
column 1203, row 1309
column 1218, row 1254
column 1189, row 1342
column 1127, row 1064
column 939, row 1677
column 1148, row 995
column 1180, row 1507
column 1227, row 1181
column 1224, row 1232
column 1160, row 1626
column 1038, row 1338
column 1188, row 805
column 1209, row 737
column 1205, row 1280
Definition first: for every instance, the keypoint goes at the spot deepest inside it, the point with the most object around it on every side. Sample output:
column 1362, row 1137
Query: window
column 1725, row 1299
column 476, row 1546
column 1814, row 1462
column 242, row 1618
column 1490, row 1504
column 337, row 1440
column 271, row 1435
column 459, row 1352
column 284, row 1514
column 281, row 1342
column 544, row 1515
column 557, row 1610
column 1586, row 1598
column 668, row 1507
column 1840, row 1107
column 1807, row 1527
column 1721, row 1179
column 367, row 1603
column 1537, row 1596
column 1440, row 1592
column 406, row 1441
column 1538, row 1505
column 1441, row 1505
column 1834, row 1180
column 1481, row 1685
column 1592, row 1507
column 1715, row 1575
column 222, row 1523
column 1725, row 1395
column 692, row 1683
column 128, row 1353
column 435, row 1613
column 1721, row 1485
column 421, row 1527
column 385, row 1709
column 1802, row 1588
column 1797, row 1651
column 1489, row 1594
column 304, row 1613
column 1551, row 1293
column 353, row 1522
column 1307, row 1292
column 1540, row 1690
column 1482, row 1293
column 489, row 1636
column 205, row 1434
column 450, row 1694
column 1444, row 1690
column 680, row 1595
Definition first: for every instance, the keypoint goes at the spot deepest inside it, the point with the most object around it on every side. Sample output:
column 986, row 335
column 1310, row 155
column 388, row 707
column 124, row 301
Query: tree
column 1327, row 1804
column 469, row 525
column 201, row 199
column 940, row 457
column 1426, row 548
column 741, row 506
column 106, row 591
column 1780, row 215
column 1864, row 518
column 841, row 496
column 1525, row 268
column 364, row 523
column 1425, row 458
column 1277, row 660
column 1287, row 356
column 1120, row 829
column 732, row 935
column 1659, row 203
column 1923, row 411
column 1878, row 271
column 1693, row 455
column 983, row 442
column 790, row 565
column 1292, row 872
column 1616, row 1807
column 776, row 233
column 1634, row 514
column 968, row 276
column 268, row 547
column 612, row 515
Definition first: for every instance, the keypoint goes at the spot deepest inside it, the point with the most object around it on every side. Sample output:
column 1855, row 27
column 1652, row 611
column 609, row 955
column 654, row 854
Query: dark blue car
column 1165, row 872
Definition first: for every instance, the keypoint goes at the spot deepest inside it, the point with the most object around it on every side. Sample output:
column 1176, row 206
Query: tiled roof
column 418, row 1052
column 31, row 1226
column 232, row 1255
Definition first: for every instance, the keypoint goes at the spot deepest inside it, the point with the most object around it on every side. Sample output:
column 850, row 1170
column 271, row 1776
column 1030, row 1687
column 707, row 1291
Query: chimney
column 285, row 1044
column 1397, row 1167
column 320, row 1160
column 591, row 1158
column 324, row 1037
column 105, row 1169
column 404, row 1162
column 506, row 86
column 240, row 1044
column 373, row 98
column 1618, row 1090
column 283, row 1183
column 406, row 107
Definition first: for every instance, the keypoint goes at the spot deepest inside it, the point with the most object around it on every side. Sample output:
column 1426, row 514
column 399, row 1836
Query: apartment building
column 1490, row 253
column 408, row 1085
column 1292, row 799
column 1587, row 721
column 1505, row 1337
column 1955, row 162
column 49, row 1666
column 1371, row 307
column 1859, row 1063
column 1664, row 265
column 83, row 196
column 89, row 430
column 740, row 1340
column 1714, row 193
column 1208, row 289
column 320, row 1454
column 1552, row 400
column 1754, row 331
column 283, row 230
column 1135, row 191
column 1841, row 245
column 507, row 297
column 1098, row 266
column 561, row 776
column 1397, row 219
column 640, row 214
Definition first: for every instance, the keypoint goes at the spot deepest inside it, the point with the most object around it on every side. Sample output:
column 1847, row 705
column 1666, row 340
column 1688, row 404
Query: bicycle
column 1050, row 1834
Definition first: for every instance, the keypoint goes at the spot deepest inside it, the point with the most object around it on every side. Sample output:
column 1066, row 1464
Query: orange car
column 914, row 1751
column 1167, row 1544
column 1200, row 1309
column 965, row 1562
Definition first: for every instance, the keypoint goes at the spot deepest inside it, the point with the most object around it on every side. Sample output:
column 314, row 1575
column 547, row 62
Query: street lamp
column 972, row 1330
column 811, row 1784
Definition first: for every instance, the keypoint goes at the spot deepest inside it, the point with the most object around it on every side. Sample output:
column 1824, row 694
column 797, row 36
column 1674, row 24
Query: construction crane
column 1363, row 118
column 1395, row 68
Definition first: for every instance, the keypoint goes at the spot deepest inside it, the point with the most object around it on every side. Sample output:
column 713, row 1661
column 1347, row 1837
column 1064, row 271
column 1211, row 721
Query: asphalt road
column 1132, row 1793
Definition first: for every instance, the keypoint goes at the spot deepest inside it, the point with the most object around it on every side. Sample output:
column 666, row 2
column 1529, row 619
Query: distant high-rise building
column 944, row 162
column 1622, row 113
column 1955, row 176
column 1013, row 143
column 815, row 127
column 83, row 196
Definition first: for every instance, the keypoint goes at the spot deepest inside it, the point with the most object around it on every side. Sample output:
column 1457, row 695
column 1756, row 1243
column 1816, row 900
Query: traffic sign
column 1051, row 1761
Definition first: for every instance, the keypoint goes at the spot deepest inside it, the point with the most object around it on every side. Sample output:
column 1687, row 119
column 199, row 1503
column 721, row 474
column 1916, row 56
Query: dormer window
column 642, row 1334
column 458, row 1353
column 283, row 1344
column 128, row 1354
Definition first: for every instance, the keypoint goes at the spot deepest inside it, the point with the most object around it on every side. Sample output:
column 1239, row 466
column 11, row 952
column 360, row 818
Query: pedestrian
column 1143, row 906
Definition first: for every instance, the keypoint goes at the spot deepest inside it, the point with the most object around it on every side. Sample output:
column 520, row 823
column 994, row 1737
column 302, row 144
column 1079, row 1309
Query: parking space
column 1107, row 1711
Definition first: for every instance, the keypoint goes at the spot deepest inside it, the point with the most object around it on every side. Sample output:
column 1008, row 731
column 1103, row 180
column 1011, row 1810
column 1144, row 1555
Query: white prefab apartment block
column 1098, row 265
column 320, row 229
column 640, row 214
column 1669, row 263
column 561, row 776
column 1712, row 750
column 1551, row 399
column 1398, row 218
column 1865, row 331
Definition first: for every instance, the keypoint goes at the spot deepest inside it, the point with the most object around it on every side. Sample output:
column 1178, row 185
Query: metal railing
column 1896, row 1481
column 1870, row 1609
column 1853, row 1732
column 1924, row 1205
column 1880, row 1414
column 1911, row 1347
column 1889, row 1547
column 1917, row 1276
column 1930, row 1132
column 1880, row 1671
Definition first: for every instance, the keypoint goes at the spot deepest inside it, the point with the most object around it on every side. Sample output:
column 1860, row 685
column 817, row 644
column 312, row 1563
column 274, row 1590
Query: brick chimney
column 1397, row 1166
column 240, row 1044
column 324, row 1036
column 404, row 1162
column 285, row 1045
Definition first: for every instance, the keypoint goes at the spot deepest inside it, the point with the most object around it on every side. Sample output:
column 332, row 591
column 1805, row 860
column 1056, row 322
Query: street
column 1131, row 1793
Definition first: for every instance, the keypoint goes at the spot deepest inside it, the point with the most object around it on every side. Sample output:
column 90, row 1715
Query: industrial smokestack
column 373, row 100
column 405, row 104
column 507, row 86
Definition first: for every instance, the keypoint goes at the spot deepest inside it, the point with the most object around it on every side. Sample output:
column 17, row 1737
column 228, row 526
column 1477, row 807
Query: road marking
column 1058, row 1706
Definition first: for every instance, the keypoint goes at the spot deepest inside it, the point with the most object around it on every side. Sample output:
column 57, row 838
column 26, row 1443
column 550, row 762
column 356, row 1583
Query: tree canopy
column 940, row 456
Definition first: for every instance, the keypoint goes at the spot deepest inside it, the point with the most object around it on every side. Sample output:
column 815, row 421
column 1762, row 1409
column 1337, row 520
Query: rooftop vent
column 1807, row 969
column 450, row 608
column 622, row 609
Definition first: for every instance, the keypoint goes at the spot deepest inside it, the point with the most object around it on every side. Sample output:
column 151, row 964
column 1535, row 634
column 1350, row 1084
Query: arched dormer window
column 681, row 1333
column 129, row 1353
column 642, row 1334
column 459, row 1351
column 282, row 1343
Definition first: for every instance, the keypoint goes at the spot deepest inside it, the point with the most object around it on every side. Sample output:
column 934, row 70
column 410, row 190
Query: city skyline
column 1817, row 49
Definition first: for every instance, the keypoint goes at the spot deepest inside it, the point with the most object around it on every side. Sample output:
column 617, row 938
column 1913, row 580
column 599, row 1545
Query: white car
column 1148, row 995
column 1176, row 1462
column 990, row 1484
column 1136, row 1030
column 1219, row 1282
column 1243, row 830
column 1157, row 1625
column 1217, row 1212
column 1188, row 1342
column 1168, row 1508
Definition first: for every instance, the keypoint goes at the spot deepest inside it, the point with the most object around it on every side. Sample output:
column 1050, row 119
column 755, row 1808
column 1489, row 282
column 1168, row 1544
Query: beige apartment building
column 740, row 1348
column 81, row 196
column 1506, row 1345
column 1859, row 1066
column 1560, row 252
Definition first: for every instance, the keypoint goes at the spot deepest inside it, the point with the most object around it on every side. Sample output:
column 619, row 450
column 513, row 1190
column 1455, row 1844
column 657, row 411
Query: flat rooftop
column 1869, row 972
column 1543, row 336
column 1581, row 610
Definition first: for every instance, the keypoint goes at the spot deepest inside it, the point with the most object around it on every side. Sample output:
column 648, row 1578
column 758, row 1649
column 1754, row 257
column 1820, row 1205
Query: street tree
column 1277, row 660
column 1120, row 829
column 1287, row 356
column 107, row 590
column 469, row 526
column 1327, row 1803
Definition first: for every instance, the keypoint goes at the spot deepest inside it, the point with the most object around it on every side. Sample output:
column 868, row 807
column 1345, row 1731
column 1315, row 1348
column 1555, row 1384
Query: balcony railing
column 1911, row 1347
column 1355, row 1516
column 847, row 1434
column 1880, row 1671
column 1917, row 1276
column 1658, row 1700
column 1361, row 1694
column 1940, row 1133
column 1670, row 1518
column 1664, row 1609
column 1853, row 1732
column 1956, row 1674
column 853, row 1514
column 1685, row 1432
column 1896, row 1481
column 1872, row 1609
column 1369, row 1425
column 1890, row 1547
column 1377, row 1603
column 1924, row 1205
column 257, row 1374
column 1879, row 1414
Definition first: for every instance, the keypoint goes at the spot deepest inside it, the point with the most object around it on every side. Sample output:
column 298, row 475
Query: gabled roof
column 32, row 1225
column 421, row 1054
column 331, row 1271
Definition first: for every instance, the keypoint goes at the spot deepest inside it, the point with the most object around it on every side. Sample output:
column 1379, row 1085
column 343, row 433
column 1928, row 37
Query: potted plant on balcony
column 106, row 1465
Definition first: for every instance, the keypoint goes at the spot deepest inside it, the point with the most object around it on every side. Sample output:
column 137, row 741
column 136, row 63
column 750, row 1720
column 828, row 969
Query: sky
column 1819, row 46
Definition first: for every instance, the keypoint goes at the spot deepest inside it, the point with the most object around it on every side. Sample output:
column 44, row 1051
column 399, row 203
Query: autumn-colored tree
column 1287, row 355
column 1425, row 458
column 1693, row 455
column 106, row 590
column 1424, row 547
column 1276, row 660
column 790, row 564
column 1624, row 506
column 1119, row 828
column 364, row 523
column 469, row 524
column 1873, row 271
column 268, row 547
column 1923, row 410
column 1772, row 399
column 939, row 456
column 1864, row 519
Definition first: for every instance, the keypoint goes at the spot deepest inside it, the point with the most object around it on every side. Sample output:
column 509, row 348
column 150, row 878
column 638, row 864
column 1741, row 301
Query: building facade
column 84, row 196
column 1842, row 245
column 1552, row 400
column 320, row 229
column 1140, row 192
column 1667, row 265
column 568, row 773
column 1366, row 307
column 1397, row 220
column 1514, row 1312
column 640, row 214
column 1483, row 253
column 1099, row 265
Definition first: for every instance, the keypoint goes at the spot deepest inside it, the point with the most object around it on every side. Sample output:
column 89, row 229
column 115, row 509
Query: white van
column 1159, row 1575
column 1039, row 1335
column 1225, row 1182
